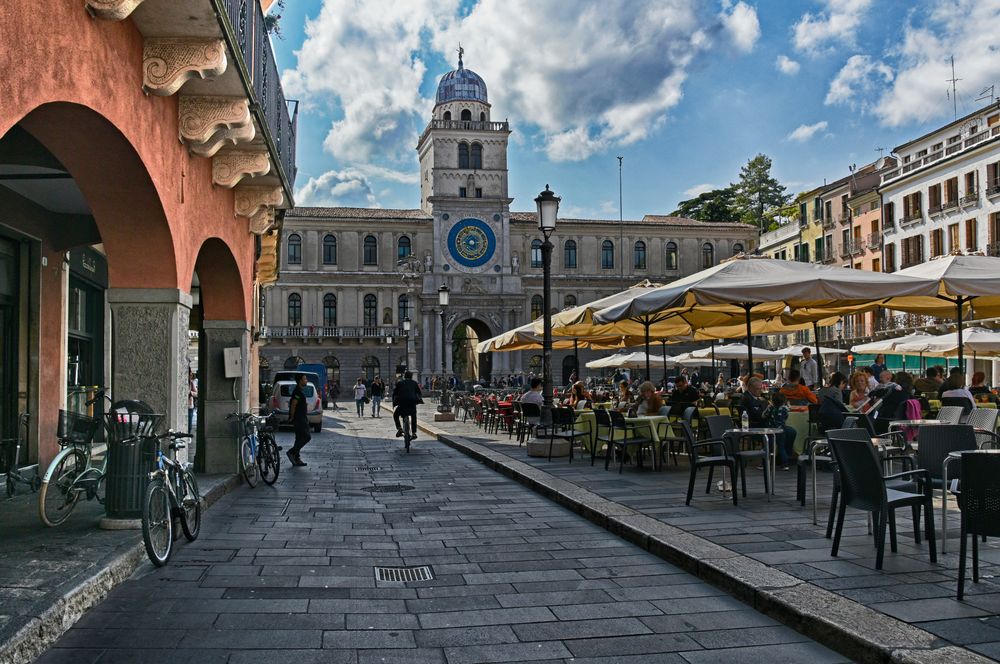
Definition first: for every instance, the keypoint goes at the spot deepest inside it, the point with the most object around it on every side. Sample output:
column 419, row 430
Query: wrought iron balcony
column 825, row 256
column 829, row 223
column 464, row 125
column 971, row 197
column 322, row 332
column 875, row 240
column 993, row 248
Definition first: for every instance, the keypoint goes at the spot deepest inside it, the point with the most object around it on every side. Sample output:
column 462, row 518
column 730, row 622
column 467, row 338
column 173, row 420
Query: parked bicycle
column 11, row 453
column 73, row 473
column 172, row 494
column 257, row 453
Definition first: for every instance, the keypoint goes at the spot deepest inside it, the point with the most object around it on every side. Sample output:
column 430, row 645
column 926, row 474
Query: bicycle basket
column 76, row 428
column 122, row 425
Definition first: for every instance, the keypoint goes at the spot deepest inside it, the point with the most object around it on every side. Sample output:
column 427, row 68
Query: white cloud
column 835, row 26
column 803, row 133
column 699, row 189
column 858, row 80
column 786, row 65
column 346, row 188
column 742, row 25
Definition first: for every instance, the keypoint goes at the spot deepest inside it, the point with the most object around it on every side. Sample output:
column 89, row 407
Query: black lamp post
column 406, row 339
column 840, row 339
column 444, row 407
column 548, row 209
column 388, row 345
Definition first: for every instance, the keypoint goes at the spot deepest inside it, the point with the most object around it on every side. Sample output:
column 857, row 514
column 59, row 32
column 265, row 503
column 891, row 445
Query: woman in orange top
column 796, row 391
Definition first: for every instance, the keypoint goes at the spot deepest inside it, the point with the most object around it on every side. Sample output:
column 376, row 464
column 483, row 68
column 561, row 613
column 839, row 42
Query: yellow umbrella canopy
column 525, row 338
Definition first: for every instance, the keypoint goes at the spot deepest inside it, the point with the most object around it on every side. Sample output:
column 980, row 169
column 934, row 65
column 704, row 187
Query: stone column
column 218, row 396
column 427, row 345
column 150, row 348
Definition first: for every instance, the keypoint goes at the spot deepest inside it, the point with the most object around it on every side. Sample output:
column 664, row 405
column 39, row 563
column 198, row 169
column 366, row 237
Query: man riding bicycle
column 405, row 397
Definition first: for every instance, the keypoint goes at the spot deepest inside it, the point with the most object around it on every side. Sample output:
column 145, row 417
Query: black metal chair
column 979, row 501
column 864, row 487
column 630, row 439
column 962, row 402
column 984, row 421
column 935, row 442
column 950, row 414
column 531, row 416
column 717, row 427
column 717, row 454
column 564, row 426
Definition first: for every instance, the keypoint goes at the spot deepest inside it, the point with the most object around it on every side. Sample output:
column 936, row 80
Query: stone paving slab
column 768, row 552
column 530, row 582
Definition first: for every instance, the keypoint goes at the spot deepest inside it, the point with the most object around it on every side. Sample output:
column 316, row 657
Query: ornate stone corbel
column 111, row 10
column 169, row 62
column 228, row 168
column 257, row 204
column 207, row 123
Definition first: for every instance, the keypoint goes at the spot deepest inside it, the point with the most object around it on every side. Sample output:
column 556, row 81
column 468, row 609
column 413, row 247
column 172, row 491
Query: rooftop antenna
column 880, row 150
column 954, row 91
column 988, row 93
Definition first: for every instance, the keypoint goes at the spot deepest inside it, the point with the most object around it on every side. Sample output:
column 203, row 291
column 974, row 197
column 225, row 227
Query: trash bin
column 129, row 464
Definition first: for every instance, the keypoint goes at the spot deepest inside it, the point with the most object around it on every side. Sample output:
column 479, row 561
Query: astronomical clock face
column 471, row 243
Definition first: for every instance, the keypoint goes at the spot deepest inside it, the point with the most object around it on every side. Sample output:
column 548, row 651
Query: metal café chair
column 934, row 445
column 630, row 438
column 564, row 425
column 717, row 427
column 979, row 502
column 706, row 454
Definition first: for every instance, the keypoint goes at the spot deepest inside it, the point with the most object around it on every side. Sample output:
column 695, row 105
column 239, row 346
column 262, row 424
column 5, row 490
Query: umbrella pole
column 715, row 378
column 819, row 355
column 663, row 344
column 576, row 359
column 961, row 348
column 746, row 308
column 645, row 325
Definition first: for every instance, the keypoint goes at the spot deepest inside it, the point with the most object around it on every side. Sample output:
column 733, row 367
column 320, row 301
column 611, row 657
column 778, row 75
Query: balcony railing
column 913, row 216
column 845, row 218
column 321, row 332
column 249, row 34
column 829, row 223
column 971, row 196
column 993, row 187
column 825, row 256
column 852, row 248
column 932, row 209
column 464, row 125
column 875, row 240
column 993, row 248
column 950, row 204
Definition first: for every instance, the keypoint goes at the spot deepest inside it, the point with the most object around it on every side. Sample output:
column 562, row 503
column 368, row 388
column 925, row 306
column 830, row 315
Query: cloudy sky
column 685, row 90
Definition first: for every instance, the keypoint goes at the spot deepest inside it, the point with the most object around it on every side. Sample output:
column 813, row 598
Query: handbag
column 368, row 400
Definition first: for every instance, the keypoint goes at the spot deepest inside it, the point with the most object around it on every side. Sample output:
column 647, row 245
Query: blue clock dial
column 471, row 243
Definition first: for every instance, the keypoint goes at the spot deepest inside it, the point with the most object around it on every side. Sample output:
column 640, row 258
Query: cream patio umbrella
column 977, row 339
column 890, row 345
column 796, row 349
column 736, row 352
column 744, row 288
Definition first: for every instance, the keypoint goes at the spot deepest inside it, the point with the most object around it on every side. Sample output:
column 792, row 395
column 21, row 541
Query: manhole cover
column 367, row 468
column 403, row 574
column 388, row 488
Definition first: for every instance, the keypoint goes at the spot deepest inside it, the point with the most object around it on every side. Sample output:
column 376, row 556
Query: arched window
column 369, row 367
column 737, row 249
column 707, row 255
column 294, row 310
column 639, row 255
column 569, row 301
column 329, row 310
column 568, row 368
column 447, row 116
column 463, row 155
column 370, row 311
column 371, row 250
column 329, row 250
column 402, row 247
column 466, row 115
column 294, row 249
column 569, row 254
column 332, row 371
column 482, row 116
column 608, row 255
column 293, row 361
column 403, row 307
column 536, row 253
column 477, row 155
column 536, row 307
column 670, row 256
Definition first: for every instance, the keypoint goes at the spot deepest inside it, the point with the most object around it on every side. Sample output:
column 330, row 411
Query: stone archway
column 466, row 363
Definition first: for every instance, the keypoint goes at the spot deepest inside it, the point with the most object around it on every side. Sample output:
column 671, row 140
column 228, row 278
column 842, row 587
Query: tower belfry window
column 466, row 115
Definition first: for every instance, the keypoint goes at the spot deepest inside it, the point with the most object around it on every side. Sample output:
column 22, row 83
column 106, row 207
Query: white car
column 282, row 394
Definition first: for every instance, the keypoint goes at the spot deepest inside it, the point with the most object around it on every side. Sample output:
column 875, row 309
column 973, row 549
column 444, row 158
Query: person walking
column 360, row 394
column 192, row 399
column 809, row 369
column 377, row 394
column 298, row 416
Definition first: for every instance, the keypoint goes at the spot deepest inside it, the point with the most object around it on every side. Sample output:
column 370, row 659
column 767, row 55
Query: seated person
column 578, row 393
column 831, row 402
column 870, row 376
column 649, row 402
column 777, row 417
column 859, row 390
column 893, row 402
column 684, row 395
column 795, row 392
column 752, row 403
column 534, row 394
column 929, row 383
column 979, row 389
column 955, row 387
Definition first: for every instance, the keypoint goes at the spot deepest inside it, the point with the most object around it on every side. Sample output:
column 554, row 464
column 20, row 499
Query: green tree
column 714, row 205
column 272, row 18
column 757, row 192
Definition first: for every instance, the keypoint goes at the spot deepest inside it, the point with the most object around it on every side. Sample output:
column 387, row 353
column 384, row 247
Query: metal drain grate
column 367, row 468
column 388, row 488
column 403, row 574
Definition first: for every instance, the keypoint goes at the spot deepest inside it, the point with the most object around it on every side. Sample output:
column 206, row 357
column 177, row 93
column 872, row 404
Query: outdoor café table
column 952, row 456
column 652, row 422
column 902, row 424
column 770, row 437
column 799, row 420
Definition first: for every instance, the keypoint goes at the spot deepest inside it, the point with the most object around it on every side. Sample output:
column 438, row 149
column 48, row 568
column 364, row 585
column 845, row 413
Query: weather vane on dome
column 461, row 51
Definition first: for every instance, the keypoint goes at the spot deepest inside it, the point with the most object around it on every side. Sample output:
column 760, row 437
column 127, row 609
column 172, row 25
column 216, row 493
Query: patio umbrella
column 977, row 339
column 736, row 352
column 890, row 345
column 744, row 288
column 796, row 349
column 633, row 360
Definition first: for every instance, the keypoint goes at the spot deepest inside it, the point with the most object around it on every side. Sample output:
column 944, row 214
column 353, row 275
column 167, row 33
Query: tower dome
column 461, row 85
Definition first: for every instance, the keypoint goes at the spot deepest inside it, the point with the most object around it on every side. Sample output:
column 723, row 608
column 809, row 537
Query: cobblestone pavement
column 285, row 574
column 780, row 533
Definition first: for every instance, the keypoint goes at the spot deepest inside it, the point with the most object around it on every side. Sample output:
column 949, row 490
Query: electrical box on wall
column 233, row 360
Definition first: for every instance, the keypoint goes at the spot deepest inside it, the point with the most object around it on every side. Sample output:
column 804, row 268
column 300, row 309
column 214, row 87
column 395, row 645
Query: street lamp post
column 840, row 339
column 406, row 339
column 548, row 209
column 444, row 413
column 388, row 345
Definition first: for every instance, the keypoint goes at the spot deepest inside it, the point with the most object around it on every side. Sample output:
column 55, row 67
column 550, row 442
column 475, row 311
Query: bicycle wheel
column 407, row 432
column 248, row 464
column 190, row 506
column 269, row 459
column 157, row 522
column 57, row 497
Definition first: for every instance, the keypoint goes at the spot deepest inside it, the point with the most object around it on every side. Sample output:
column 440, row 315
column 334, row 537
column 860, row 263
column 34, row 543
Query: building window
column 536, row 253
column 639, row 255
column 608, row 255
column 294, row 310
column 463, row 155
column 466, row 115
column 707, row 255
column 329, row 310
column 329, row 250
column 536, row 306
column 670, row 256
column 482, row 116
column 371, row 250
column 369, row 367
column 936, row 242
column 463, row 192
column 402, row 248
column 370, row 310
column 954, row 241
column 447, row 116
column 294, row 249
column 889, row 257
column 569, row 301
column 569, row 254
column 913, row 251
column 479, row 192
column 971, row 235
column 403, row 307
column 888, row 215
column 737, row 249
column 477, row 156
